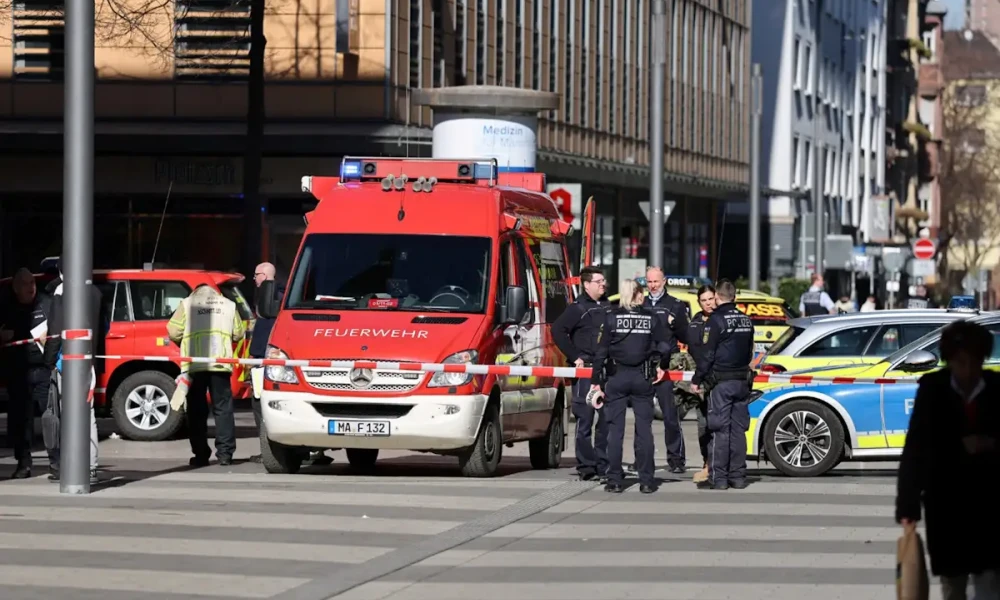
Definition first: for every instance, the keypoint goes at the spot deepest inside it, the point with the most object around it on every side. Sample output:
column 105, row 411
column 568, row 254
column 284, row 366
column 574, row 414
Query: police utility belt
column 647, row 367
column 718, row 376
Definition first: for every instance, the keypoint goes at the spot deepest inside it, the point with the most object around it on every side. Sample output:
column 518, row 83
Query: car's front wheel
column 803, row 438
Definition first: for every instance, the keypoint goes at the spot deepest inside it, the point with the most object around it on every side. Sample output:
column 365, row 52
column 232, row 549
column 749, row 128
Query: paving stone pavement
column 416, row 531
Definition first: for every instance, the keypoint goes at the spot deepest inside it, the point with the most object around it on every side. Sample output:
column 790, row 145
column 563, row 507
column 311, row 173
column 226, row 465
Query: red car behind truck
column 139, row 303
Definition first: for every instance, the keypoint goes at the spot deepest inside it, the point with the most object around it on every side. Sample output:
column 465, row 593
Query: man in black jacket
column 575, row 333
column 23, row 318
column 53, row 347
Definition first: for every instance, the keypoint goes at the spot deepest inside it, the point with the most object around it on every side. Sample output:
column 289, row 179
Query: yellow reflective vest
column 206, row 325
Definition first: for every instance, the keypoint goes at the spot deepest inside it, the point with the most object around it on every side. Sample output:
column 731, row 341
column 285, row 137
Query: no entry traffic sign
column 923, row 249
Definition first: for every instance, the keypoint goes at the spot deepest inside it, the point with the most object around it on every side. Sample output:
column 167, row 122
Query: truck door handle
column 115, row 336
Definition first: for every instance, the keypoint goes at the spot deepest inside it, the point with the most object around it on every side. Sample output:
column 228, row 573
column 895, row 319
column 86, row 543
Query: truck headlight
column 455, row 379
column 279, row 374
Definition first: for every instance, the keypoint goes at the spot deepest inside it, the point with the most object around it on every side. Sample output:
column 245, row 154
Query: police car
column 807, row 430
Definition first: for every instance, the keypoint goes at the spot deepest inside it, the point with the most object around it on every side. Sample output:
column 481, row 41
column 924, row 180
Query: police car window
column 156, row 300
column 849, row 342
column 364, row 271
column 892, row 338
column 548, row 257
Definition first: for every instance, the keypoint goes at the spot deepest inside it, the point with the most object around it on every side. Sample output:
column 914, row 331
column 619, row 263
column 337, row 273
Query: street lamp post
column 658, row 67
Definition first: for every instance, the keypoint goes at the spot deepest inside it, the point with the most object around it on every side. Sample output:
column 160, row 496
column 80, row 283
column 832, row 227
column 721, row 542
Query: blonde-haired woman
column 631, row 344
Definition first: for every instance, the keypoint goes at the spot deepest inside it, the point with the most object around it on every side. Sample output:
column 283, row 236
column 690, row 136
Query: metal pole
column 817, row 144
column 658, row 68
column 77, row 254
column 756, row 102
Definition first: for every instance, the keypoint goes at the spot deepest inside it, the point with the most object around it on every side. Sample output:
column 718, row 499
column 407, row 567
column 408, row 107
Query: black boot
column 53, row 472
column 21, row 472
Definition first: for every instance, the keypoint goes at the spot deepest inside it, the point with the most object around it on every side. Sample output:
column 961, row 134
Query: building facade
column 823, row 65
column 983, row 16
column 171, row 109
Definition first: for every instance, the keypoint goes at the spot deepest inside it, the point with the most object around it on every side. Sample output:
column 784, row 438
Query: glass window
column 481, row 42
column 501, row 21
column 114, row 300
column 233, row 293
column 416, row 24
column 348, row 271
column 157, row 300
column 783, row 342
column 548, row 257
column 892, row 338
column 850, row 342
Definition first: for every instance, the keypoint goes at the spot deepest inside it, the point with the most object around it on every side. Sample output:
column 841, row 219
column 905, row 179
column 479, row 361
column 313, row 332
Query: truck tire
column 278, row 458
column 141, row 407
column 362, row 459
column 822, row 432
column 546, row 452
column 483, row 458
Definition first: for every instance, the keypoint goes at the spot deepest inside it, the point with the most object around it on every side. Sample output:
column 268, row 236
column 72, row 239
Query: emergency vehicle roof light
column 443, row 170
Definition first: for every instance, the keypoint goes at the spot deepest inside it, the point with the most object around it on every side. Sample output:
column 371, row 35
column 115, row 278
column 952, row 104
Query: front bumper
column 421, row 423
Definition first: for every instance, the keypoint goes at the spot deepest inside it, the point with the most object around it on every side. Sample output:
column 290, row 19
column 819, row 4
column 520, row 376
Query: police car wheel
column 141, row 407
column 546, row 452
column 483, row 458
column 803, row 438
column 278, row 458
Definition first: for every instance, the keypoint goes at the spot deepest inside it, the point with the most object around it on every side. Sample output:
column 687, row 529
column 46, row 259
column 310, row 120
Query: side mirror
column 515, row 305
column 919, row 361
column 268, row 302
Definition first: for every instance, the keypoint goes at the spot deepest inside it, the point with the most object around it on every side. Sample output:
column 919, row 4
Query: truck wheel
column 278, row 458
column 546, row 452
column 141, row 407
column 803, row 438
column 483, row 457
column 362, row 459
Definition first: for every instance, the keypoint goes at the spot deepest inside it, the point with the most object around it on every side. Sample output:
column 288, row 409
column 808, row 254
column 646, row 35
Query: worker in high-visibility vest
column 206, row 325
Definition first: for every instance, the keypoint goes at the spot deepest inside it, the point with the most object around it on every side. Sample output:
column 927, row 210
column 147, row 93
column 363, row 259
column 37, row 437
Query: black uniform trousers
column 591, row 446
column 627, row 387
column 28, row 397
column 217, row 384
column 672, row 434
column 704, row 435
column 728, row 421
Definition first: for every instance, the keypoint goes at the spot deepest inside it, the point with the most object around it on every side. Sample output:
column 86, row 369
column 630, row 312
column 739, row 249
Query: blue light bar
column 350, row 170
column 485, row 170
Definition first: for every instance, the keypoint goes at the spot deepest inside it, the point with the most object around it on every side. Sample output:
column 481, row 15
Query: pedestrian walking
column 51, row 422
column 206, row 325
column 727, row 379
column 22, row 317
column 574, row 333
column 673, row 315
column 696, row 348
column 952, row 446
column 632, row 347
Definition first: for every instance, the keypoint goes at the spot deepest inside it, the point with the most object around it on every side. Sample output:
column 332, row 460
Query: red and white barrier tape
column 69, row 334
column 499, row 370
column 26, row 342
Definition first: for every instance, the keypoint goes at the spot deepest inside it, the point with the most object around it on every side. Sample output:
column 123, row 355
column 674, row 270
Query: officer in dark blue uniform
column 574, row 333
column 673, row 314
column 815, row 301
column 696, row 348
column 725, row 373
column 631, row 346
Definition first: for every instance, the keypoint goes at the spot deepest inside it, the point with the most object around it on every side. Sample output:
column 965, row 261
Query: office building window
column 642, row 22
column 585, row 64
column 602, row 35
column 501, row 20
column 437, row 23
column 461, row 36
column 480, row 42
column 536, row 44
column 613, row 115
column 570, row 62
column 627, row 70
column 415, row 54
column 519, row 43
column 675, row 37
column 210, row 41
column 554, row 46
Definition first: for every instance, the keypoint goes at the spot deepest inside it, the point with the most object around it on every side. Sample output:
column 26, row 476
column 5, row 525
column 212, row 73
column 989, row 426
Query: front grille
column 358, row 410
column 339, row 379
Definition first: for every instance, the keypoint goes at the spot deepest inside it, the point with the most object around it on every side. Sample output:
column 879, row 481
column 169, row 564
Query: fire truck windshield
column 391, row 272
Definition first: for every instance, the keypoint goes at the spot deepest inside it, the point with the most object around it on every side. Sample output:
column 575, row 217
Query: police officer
column 206, row 325
column 632, row 347
column 816, row 301
column 696, row 349
column 574, row 333
column 725, row 373
column 673, row 314
column 921, row 300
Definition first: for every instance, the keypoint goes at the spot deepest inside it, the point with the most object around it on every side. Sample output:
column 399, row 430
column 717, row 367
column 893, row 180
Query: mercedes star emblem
column 361, row 378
